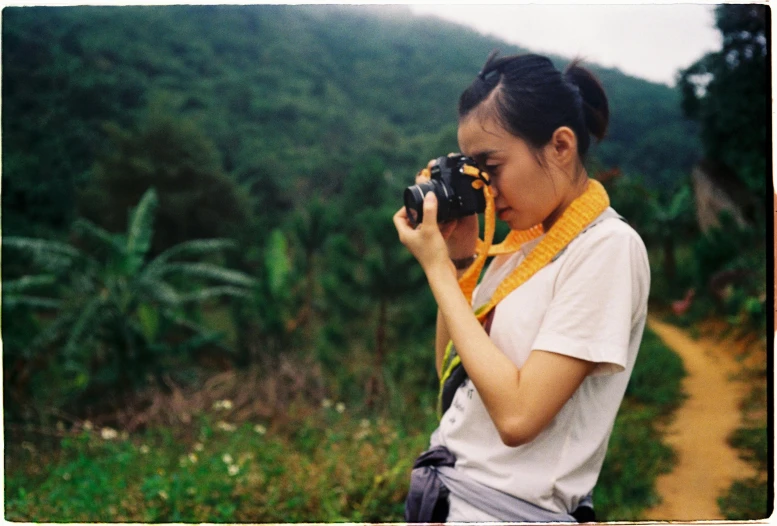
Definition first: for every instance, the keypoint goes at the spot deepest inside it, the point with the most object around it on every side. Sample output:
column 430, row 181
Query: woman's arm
column 442, row 336
column 522, row 402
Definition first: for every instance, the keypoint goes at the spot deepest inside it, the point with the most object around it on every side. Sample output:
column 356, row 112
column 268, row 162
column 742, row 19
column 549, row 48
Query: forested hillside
column 286, row 100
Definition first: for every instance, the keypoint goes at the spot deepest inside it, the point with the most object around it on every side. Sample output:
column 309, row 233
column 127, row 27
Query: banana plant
column 672, row 220
column 116, row 306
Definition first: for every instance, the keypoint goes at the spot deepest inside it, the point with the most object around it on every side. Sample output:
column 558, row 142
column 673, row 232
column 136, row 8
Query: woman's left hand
column 425, row 242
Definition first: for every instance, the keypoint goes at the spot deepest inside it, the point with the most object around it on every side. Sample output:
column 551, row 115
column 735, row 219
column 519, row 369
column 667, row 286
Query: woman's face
column 525, row 192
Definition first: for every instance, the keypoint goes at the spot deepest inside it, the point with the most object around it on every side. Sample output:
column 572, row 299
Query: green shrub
column 635, row 457
column 746, row 499
column 657, row 376
column 753, row 443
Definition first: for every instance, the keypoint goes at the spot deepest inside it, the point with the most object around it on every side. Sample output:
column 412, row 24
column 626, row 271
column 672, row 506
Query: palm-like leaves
column 113, row 296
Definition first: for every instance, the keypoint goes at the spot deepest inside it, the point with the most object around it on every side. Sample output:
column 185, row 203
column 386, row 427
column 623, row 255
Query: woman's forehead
column 478, row 136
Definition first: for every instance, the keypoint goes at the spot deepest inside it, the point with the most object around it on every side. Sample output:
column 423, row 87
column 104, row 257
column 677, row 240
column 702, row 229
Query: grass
column 309, row 460
column 750, row 498
column 657, row 376
column 325, row 467
column 636, row 455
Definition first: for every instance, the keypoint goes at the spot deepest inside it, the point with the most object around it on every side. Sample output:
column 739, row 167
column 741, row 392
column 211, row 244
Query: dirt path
column 706, row 464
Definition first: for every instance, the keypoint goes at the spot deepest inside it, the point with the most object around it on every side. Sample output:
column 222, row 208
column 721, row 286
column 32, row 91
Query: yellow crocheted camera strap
column 578, row 215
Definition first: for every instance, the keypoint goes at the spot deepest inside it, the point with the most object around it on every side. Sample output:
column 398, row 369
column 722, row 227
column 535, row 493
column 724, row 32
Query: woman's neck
column 575, row 190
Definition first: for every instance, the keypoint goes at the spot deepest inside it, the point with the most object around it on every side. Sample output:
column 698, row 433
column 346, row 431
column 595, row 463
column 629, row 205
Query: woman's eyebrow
column 482, row 157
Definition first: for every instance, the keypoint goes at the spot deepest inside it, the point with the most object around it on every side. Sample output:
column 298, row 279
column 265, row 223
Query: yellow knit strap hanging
column 577, row 216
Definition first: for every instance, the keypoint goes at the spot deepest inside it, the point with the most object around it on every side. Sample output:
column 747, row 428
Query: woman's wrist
column 441, row 269
column 463, row 263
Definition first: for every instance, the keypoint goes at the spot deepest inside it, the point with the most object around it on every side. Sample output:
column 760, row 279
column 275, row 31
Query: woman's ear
column 563, row 146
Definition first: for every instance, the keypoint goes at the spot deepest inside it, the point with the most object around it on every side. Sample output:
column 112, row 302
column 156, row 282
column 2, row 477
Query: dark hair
column 531, row 99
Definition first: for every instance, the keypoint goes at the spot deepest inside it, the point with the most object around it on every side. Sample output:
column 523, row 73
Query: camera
column 456, row 198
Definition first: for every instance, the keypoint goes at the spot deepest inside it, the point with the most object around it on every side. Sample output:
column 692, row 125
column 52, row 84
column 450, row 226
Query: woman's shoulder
column 610, row 226
column 610, row 235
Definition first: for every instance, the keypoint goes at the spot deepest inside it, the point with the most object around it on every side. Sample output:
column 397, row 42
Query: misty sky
column 650, row 41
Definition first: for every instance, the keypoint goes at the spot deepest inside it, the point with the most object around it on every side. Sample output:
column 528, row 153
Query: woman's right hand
column 461, row 234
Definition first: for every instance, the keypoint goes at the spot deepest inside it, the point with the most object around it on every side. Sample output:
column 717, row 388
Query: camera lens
column 414, row 200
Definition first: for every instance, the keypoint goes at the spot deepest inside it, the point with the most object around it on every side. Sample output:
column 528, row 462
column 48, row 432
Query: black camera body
column 456, row 198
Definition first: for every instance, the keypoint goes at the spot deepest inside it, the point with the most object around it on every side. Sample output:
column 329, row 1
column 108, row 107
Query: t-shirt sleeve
column 599, row 291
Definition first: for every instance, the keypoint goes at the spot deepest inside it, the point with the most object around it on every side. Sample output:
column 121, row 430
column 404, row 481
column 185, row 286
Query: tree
column 312, row 227
column 727, row 91
column 371, row 282
column 197, row 199
column 120, row 314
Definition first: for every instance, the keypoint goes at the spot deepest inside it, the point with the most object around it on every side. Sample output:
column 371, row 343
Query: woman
column 558, row 318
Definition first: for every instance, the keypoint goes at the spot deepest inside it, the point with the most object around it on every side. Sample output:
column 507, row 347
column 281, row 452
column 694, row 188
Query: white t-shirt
column 589, row 303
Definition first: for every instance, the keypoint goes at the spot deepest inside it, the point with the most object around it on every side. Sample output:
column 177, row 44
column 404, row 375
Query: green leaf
column 159, row 291
column 111, row 241
column 54, row 330
column 51, row 255
column 86, row 318
column 212, row 292
column 27, row 282
column 34, row 302
column 141, row 229
column 276, row 262
column 149, row 321
column 195, row 247
column 209, row 271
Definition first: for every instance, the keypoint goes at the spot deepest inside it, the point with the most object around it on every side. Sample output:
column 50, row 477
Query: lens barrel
column 414, row 200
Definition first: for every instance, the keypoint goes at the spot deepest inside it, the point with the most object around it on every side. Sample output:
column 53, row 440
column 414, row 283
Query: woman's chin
column 515, row 223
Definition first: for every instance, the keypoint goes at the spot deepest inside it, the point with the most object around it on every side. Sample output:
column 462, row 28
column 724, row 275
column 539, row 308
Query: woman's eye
column 492, row 168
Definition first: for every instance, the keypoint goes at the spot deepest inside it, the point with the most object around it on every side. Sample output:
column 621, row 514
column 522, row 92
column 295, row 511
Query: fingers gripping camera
column 456, row 196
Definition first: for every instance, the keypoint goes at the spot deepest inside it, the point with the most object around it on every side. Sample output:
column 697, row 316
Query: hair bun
column 596, row 110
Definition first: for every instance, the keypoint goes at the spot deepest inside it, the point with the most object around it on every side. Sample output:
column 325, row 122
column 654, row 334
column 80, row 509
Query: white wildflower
column 88, row 425
column 163, row 494
column 222, row 404
column 198, row 447
column 108, row 434
column 260, row 429
column 364, row 424
column 144, row 449
column 340, row 407
column 66, row 476
column 227, row 458
column 233, row 470
column 192, row 458
column 326, row 403
column 225, row 426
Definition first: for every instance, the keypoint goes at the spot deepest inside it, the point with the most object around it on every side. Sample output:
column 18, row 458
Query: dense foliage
column 290, row 98
column 727, row 91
